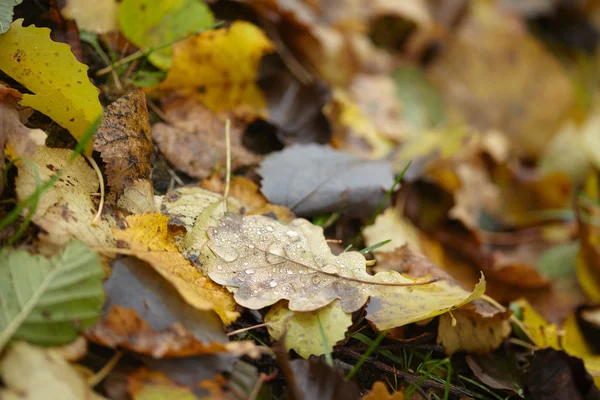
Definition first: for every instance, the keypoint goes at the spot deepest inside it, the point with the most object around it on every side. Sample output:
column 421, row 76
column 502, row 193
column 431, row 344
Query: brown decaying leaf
column 314, row 379
column 145, row 314
column 125, row 144
column 193, row 140
column 123, row 327
column 296, row 108
column 554, row 374
column 22, row 140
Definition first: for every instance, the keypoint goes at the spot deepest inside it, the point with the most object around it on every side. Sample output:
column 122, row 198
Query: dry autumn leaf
column 49, row 69
column 22, row 141
column 149, row 238
column 219, row 68
column 34, row 373
column 267, row 261
column 125, row 144
column 471, row 331
column 66, row 210
column 147, row 315
column 194, row 141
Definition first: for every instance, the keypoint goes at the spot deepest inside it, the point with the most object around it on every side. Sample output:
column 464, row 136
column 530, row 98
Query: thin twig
column 261, row 380
column 249, row 328
column 104, row 371
column 101, row 181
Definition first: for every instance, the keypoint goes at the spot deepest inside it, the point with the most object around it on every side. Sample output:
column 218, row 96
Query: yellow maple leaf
column 219, row 67
column 149, row 238
column 49, row 69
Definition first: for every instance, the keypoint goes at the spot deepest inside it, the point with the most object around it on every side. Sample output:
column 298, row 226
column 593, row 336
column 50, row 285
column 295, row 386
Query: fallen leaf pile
column 299, row 199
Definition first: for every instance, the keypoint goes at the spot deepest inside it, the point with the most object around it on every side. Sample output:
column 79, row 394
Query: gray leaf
column 6, row 13
column 313, row 179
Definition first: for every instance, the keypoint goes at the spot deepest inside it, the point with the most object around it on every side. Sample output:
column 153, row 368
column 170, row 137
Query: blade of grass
column 374, row 246
column 364, row 357
column 327, row 352
column 386, row 353
column 388, row 195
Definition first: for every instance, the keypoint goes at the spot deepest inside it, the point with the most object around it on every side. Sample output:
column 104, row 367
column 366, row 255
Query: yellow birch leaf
column 302, row 331
column 49, row 69
column 149, row 238
column 219, row 67
column 541, row 332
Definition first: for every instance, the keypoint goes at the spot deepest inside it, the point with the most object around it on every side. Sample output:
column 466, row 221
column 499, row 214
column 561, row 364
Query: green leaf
column 559, row 261
column 6, row 13
column 423, row 104
column 152, row 24
column 48, row 301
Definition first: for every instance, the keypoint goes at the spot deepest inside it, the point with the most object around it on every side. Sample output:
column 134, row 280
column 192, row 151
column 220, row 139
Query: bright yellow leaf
column 219, row 67
column 149, row 238
column 541, row 332
column 302, row 331
column 49, row 69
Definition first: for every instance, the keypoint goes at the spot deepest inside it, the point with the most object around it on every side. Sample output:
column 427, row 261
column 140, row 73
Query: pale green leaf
column 301, row 329
column 6, row 13
column 151, row 24
column 48, row 301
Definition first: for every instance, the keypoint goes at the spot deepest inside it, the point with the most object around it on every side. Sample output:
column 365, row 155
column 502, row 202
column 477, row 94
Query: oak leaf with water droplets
column 267, row 261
